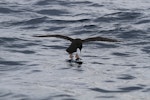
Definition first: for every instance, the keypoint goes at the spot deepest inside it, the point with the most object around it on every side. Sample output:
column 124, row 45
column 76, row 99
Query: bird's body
column 77, row 43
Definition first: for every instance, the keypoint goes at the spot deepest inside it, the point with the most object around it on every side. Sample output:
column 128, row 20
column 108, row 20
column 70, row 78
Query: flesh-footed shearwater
column 77, row 43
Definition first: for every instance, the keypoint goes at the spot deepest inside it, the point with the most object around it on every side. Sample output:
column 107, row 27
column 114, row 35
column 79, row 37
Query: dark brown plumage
column 77, row 43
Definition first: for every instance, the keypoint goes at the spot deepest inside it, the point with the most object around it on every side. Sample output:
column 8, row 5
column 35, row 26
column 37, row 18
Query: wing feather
column 100, row 39
column 57, row 36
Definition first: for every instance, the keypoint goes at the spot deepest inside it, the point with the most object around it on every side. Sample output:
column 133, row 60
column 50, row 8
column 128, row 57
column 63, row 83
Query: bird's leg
column 71, row 56
column 77, row 56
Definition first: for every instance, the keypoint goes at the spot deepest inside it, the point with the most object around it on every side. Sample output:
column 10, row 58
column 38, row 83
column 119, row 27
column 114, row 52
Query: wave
column 7, row 10
column 70, row 21
column 119, row 16
column 121, row 90
column 30, row 21
column 52, row 12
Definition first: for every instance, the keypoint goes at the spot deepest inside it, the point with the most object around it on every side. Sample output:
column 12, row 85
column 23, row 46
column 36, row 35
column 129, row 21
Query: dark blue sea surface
column 34, row 68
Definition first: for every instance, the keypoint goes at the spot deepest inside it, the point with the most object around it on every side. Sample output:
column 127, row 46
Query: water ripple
column 54, row 28
column 69, row 21
column 143, row 21
column 2, row 94
column 33, row 21
column 53, row 12
column 23, row 51
column 119, row 16
column 146, row 49
column 12, row 42
column 121, row 90
column 7, row 10
column 11, row 65
column 126, row 77
column 121, row 54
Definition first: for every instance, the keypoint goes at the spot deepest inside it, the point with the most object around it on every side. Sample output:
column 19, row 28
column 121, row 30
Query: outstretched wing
column 100, row 39
column 57, row 36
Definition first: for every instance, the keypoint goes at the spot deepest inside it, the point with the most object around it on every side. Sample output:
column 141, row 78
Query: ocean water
column 36, row 68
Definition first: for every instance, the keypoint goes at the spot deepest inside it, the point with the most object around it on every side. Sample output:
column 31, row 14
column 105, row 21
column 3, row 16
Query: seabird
column 77, row 43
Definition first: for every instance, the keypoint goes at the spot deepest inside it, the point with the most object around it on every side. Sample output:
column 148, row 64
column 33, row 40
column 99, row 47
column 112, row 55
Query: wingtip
column 35, row 35
column 116, row 41
column 38, row 36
